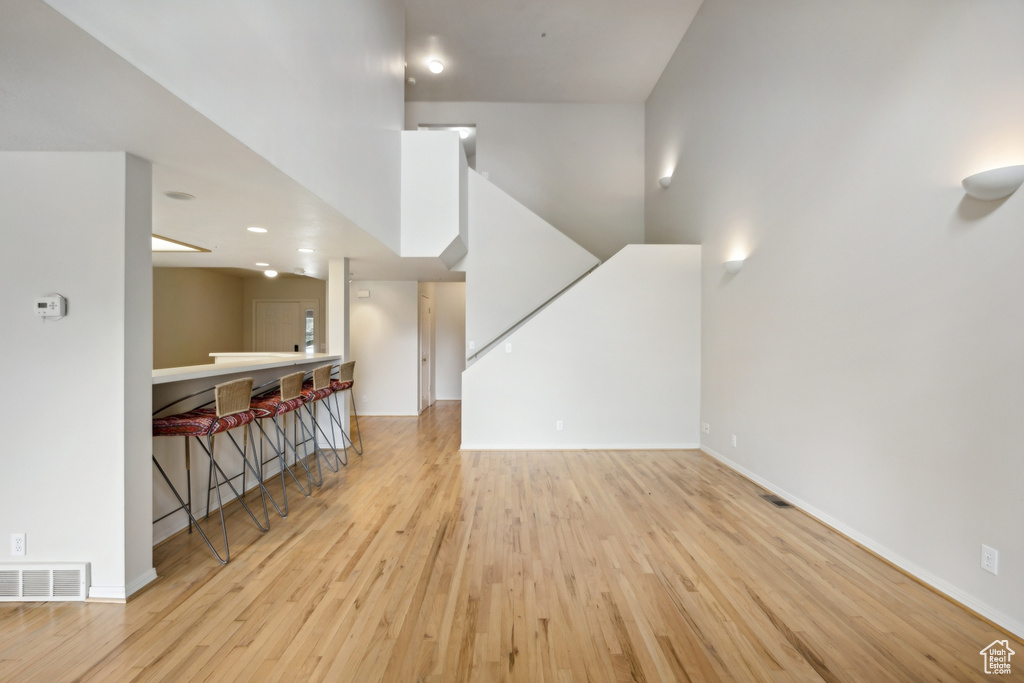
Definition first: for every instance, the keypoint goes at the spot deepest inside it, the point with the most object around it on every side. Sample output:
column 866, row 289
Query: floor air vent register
column 776, row 501
column 43, row 582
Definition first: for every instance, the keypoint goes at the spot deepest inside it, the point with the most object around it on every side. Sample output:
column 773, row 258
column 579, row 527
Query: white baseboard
column 140, row 582
column 107, row 594
column 924, row 576
column 582, row 447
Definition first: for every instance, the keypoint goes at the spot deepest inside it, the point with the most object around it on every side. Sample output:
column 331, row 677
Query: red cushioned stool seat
column 199, row 422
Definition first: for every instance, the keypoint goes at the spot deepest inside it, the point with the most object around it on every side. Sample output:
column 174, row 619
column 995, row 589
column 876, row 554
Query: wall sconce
column 995, row 183
column 665, row 182
column 734, row 266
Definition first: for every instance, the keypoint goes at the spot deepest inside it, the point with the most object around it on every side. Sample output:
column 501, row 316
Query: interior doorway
column 285, row 325
column 426, row 351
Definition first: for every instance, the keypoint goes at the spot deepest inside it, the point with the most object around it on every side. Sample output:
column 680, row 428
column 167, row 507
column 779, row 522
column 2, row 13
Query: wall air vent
column 776, row 501
column 44, row 582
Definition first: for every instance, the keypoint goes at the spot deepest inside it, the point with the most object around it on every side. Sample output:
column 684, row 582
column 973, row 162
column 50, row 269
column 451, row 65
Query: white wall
column 331, row 123
column 435, row 213
column 515, row 264
column 616, row 358
column 76, row 480
column 385, row 347
column 577, row 166
column 450, row 339
column 868, row 356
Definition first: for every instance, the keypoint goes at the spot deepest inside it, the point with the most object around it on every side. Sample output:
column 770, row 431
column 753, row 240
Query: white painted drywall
column 385, row 347
column 316, row 88
column 516, row 263
column 577, row 166
column 435, row 220
column 868, row 356
column 138, row 373
column 450, row 339
column 616, row 358
column 78, row 224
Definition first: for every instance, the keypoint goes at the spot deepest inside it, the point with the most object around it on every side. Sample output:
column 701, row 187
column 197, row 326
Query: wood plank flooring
column 421, row 563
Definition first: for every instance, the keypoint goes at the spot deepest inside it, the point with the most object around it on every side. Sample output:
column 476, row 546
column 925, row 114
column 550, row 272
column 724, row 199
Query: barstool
column 345, row 382
column 279, row 403
column 231, row 409
column 315, row 390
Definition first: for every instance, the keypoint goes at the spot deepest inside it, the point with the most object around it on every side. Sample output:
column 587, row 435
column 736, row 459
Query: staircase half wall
column 516, row 263
column 614, row 362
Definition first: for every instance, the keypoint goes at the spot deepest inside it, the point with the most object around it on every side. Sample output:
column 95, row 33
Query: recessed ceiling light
column 304, row 250
column 262, row 265
column 255, row 229
column 436, row 66
column 183, row 196
column 270, row 273
column 463, row 133
column 167, row 244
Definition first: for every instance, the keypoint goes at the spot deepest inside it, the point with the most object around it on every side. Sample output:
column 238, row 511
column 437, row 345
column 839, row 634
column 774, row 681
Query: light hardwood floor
column 421, row 563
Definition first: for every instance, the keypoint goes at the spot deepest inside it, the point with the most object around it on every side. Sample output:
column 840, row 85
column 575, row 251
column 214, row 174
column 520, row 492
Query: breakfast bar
column 176, row 390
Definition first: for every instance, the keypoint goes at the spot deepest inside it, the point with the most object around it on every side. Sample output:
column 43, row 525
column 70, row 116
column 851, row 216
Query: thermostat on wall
column 53, row 306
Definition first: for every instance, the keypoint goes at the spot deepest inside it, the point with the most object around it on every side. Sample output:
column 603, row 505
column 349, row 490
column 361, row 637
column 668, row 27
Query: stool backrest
column 347, row 371
column 322, row 377
column 233, row 397
column 291, row 385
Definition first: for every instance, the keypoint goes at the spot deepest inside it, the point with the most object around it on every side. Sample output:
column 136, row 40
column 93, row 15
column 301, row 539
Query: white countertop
column 245, row 362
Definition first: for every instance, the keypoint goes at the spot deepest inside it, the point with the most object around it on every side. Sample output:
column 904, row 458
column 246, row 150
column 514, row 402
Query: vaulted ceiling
column 61, row 89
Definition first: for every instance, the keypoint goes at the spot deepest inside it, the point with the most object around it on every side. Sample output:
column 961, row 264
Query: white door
column 426, row 355
column 281, row 325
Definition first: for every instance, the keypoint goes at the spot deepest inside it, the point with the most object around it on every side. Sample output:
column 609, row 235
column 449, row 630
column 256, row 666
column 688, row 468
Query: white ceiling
column 542, row 50
column 60, row 89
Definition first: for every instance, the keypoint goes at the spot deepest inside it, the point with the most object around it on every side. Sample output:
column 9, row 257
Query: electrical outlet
column 989, row 559
column 734, row 441
column 558, row 425
column 18, row 544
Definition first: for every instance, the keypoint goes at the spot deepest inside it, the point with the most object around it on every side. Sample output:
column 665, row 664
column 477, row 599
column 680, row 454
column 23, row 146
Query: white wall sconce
column 665, row 182
column 996, row 183
column 734, row 266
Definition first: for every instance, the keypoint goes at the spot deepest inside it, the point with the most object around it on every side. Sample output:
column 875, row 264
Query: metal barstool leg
column 188, row 483
column 315, row 426
column 358, row 430
column 227, row 480
column 191, row 519
column 281, row 462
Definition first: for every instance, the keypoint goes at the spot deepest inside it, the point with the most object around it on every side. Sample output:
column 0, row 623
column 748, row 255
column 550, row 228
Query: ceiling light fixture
column 270, row 273
column 183, row 196
column 305, row 250
column 255, row 229
column 995, row 183
column 263, row 265
column 463, row 133
column 436, row 66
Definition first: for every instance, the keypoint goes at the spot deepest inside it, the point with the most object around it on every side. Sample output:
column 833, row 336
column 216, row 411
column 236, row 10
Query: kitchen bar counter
column 233, row 363
column 172, row 384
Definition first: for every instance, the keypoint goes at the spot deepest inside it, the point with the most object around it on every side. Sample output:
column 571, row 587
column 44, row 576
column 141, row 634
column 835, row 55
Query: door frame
column 318, row 316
